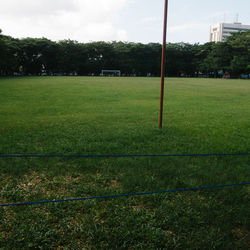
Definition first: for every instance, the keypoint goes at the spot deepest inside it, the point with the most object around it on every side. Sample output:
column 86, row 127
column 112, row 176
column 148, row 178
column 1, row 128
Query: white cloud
column 194, row 31
column 152, row 19
column 81, row 20
column 191, row 27
column 122, row 35
column 22, row 8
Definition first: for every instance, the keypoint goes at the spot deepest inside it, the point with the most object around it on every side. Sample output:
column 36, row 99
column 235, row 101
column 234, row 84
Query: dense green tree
column 181, row 59
column 100, row 55
column 122, row 57
column 71, row 58
column 218, row 59
column 36, row 56
column 9, row 48
column 200, row 55
column 240, row 44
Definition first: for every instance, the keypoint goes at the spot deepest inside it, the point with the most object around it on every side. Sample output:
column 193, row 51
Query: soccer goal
column 106, row 72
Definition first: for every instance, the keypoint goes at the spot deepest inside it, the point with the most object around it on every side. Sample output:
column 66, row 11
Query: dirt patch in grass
column 113, row 183
column 138, row 207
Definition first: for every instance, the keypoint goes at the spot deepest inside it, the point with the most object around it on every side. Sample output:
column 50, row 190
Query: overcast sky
column 125, row 20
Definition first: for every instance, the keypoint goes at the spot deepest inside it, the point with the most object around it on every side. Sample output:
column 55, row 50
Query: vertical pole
column 163, row 62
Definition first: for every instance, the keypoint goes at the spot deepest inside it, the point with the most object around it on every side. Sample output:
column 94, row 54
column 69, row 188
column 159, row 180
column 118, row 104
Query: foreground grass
column 80, row 115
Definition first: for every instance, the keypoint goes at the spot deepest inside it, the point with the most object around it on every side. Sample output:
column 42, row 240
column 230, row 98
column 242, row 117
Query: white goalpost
column 107, row 72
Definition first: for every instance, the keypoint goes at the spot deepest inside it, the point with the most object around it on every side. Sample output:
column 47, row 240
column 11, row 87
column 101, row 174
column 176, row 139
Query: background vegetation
column 30, row 56
column 89, row 115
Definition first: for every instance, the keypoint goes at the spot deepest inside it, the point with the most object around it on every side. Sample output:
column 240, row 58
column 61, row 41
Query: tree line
column 41, row 56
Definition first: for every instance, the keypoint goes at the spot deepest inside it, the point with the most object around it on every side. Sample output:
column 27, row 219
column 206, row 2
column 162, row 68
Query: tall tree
column 218, row 59
column 240, row 43
column 9, row 48
column 72, row 57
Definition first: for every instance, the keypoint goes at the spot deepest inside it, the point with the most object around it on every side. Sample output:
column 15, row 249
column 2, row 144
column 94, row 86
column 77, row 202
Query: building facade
column 221, row 31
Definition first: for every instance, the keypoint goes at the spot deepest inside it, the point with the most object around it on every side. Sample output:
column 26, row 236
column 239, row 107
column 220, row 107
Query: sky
column 120, row 20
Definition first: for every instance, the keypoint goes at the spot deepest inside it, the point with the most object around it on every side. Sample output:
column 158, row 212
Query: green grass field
column 82, row 115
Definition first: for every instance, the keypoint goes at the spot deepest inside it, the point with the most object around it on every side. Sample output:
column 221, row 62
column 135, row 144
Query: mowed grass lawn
column 88, row 115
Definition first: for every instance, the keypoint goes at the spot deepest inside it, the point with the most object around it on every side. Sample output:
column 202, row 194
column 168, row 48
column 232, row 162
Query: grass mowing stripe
column 119, row 156
column 127, row 195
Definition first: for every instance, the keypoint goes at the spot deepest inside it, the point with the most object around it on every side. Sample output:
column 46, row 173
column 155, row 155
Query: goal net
column 106, row 72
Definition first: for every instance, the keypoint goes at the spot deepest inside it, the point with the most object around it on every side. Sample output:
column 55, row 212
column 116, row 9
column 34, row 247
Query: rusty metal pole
column 163, row 62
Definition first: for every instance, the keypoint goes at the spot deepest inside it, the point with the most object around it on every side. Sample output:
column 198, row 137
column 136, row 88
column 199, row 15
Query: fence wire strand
column 125, row 195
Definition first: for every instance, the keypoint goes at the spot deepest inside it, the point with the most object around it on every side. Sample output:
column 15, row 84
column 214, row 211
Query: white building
column 219, row 32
